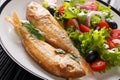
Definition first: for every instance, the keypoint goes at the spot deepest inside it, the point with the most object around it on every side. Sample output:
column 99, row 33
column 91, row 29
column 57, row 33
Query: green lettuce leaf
column 112, row 58
column 95, row 19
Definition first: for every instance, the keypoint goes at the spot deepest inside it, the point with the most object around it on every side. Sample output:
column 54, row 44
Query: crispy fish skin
column 53, row 31
column 44, row 54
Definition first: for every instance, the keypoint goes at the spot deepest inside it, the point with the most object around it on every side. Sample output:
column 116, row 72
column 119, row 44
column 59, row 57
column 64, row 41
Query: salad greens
column 35, row 32
column 95, row 40
column 70, row 11
column 95, row 19
column 112, row 58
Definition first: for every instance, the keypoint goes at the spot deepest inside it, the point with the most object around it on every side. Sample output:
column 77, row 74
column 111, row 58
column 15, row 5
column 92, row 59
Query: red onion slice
column 88, row 18
column 76, row 25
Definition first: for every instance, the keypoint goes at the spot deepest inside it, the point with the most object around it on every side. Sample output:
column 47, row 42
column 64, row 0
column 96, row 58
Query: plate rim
column 17, row 62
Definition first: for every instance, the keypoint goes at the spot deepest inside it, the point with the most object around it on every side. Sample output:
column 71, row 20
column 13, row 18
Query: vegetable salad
column 92, row 30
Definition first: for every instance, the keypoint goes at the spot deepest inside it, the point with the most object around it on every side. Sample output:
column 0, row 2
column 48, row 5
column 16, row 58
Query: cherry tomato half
column 98, row 65
column 91, row 5
column 61, row 10
column 115, row 33
column 103, row 24
column 84, row 28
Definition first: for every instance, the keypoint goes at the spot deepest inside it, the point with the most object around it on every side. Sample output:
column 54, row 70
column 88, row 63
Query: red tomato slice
column 111, row 43
column 91, row 5
column 69, row 23
column 115, row 33
column 61, row 10
column 103, row 24
column 98, row 65
column 84, row 28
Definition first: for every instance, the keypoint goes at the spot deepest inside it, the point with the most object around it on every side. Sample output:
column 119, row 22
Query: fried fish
column 45, row 55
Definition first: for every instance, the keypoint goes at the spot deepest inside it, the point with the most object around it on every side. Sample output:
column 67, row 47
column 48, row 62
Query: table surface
column 9, row 70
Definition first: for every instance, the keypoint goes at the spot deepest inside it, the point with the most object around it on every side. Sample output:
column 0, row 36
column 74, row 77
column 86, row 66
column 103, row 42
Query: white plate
column 11, row 42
